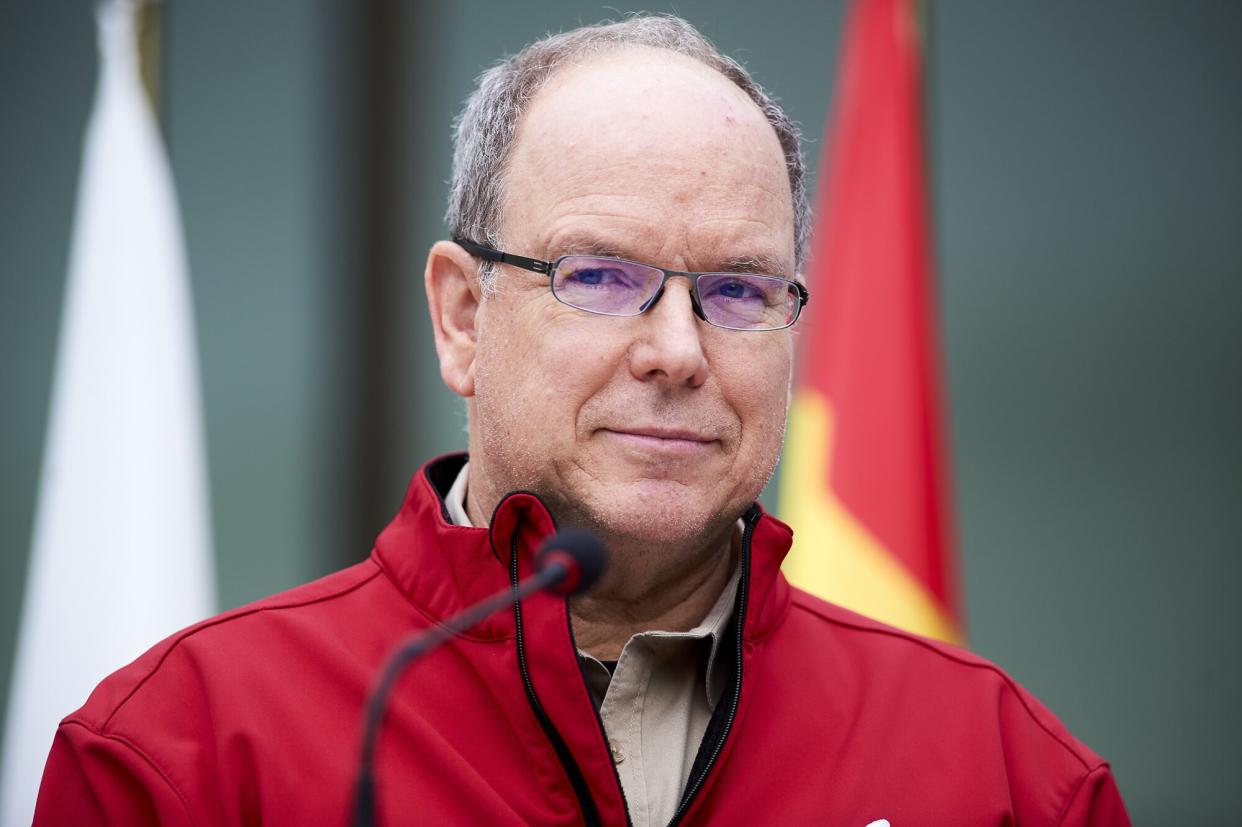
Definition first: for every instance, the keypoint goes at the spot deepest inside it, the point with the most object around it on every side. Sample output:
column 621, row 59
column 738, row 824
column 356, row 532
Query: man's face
column 656, row 427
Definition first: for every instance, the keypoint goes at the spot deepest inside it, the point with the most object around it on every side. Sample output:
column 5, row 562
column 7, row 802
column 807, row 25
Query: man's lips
column 663, row 439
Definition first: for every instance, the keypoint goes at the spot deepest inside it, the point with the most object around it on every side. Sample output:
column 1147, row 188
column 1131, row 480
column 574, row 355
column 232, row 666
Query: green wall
column 1087, row 185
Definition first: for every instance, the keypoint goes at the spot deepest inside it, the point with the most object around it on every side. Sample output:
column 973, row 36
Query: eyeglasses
column 617, row 287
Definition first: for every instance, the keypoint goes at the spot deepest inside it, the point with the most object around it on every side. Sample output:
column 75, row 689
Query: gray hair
column 484, row 133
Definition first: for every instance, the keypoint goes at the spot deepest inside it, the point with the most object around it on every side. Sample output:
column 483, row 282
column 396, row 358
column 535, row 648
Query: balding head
column 662, row 149
column 489, row 124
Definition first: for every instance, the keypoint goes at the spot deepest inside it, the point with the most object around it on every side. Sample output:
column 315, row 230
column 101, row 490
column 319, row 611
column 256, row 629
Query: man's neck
column 637, row 597
column 604, row 620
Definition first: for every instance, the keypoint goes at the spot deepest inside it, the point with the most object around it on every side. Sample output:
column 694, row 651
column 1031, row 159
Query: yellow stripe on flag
column 834, row 556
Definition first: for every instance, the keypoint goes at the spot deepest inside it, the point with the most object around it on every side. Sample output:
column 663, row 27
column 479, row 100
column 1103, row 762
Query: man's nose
column 668, row 346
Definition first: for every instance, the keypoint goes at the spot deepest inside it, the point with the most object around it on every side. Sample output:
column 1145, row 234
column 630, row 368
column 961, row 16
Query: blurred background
column 1086, row 164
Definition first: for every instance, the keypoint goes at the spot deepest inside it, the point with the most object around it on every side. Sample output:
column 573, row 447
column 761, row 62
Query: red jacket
column 254, row 716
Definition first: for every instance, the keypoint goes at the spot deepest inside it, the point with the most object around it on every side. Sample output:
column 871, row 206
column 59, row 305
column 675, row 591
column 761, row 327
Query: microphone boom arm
column 417, row 644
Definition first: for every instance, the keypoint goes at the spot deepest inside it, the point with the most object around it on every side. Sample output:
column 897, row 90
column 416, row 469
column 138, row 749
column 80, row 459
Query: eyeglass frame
column 548, row 268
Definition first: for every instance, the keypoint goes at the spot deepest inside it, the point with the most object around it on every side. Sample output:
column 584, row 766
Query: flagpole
column 148, row 24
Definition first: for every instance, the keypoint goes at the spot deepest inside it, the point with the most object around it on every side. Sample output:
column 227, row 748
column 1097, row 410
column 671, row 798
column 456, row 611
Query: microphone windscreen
column 586, row 563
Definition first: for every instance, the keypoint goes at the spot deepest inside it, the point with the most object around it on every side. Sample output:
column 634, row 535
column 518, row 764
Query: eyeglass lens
column 742, row 301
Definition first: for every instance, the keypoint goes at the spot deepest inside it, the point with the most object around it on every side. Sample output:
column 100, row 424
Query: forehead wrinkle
column 675, row 203
column 585, row 242
column 588, row 242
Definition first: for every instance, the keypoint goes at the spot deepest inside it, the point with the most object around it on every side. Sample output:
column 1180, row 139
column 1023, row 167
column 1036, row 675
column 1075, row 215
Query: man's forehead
column 645, row 152
column 633, row 94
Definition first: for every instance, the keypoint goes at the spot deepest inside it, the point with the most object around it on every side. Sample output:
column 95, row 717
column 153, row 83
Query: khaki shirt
column 657, row 703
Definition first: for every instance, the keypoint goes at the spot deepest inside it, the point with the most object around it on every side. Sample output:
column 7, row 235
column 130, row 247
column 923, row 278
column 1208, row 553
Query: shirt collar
column 455, row 500
column 715, row 623
column 712, row 626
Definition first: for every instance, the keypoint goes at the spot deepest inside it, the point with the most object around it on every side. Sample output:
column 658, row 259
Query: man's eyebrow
column 763, row 264
column 586, row 245
column 583, row 245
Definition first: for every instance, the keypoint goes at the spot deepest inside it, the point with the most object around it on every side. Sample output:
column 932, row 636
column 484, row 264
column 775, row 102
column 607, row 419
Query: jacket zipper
column 743, row 587
column 590, row 813
column 603, row 734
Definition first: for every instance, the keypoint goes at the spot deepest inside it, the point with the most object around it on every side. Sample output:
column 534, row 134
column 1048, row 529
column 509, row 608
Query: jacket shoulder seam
column 936, row 649
column 141, row 753
column 220, row 620
column 1073, row 796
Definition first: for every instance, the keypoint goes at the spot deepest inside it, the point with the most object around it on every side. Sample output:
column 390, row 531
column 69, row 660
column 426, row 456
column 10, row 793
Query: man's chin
column 657, row 512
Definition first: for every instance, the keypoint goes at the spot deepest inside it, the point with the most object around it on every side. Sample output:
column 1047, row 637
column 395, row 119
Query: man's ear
column 453, row 297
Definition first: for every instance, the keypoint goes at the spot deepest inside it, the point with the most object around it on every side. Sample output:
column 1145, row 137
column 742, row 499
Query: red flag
column 864, row 478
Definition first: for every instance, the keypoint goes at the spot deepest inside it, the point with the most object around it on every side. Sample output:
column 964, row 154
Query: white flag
column 121, row 553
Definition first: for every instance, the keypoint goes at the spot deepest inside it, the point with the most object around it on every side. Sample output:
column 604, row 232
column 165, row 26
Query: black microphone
column 568, row 562
column 576, row 555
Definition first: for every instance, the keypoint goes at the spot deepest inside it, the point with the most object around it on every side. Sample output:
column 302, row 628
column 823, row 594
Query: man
column 616, row 307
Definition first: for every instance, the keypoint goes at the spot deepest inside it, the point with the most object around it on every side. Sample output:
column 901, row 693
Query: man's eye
column 596, row 277
column 737, row 289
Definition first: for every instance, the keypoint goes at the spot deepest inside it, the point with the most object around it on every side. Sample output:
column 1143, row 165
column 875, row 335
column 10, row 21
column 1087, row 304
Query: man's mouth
column 670, row 441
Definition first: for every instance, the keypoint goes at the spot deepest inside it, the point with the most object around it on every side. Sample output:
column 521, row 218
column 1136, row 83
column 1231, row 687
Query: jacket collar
column 443, row 568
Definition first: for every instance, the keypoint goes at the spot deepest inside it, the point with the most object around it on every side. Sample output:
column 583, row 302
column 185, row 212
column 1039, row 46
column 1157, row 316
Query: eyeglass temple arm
column 533, row 264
